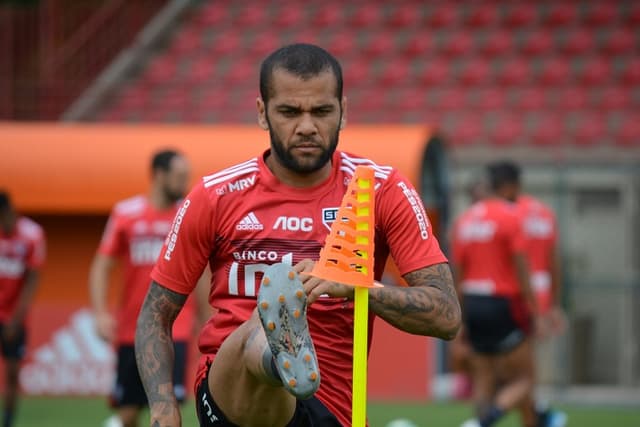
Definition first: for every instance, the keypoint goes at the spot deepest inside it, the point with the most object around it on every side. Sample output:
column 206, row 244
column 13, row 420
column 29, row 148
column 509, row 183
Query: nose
column 306, row 126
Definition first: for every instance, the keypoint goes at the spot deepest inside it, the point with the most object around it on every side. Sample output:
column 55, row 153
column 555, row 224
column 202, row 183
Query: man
column 499, row 307
column 134, row 234
column 22, row 254
column 289, row 364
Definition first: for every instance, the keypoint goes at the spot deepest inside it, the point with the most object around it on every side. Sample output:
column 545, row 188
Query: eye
column 321, row 112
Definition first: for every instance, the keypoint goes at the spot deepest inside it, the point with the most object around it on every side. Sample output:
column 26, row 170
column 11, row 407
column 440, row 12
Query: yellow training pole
column 360, row 327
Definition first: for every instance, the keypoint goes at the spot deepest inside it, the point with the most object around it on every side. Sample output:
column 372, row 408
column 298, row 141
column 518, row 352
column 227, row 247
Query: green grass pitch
column 90, row 412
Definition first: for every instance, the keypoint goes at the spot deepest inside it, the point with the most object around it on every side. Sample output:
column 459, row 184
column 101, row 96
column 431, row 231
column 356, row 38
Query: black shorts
column 309, row 413
column 128, row 389
column 495, row 324
column 16, row 347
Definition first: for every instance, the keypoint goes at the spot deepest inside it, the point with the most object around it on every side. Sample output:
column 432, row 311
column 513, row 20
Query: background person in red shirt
column 134, row 235
column 266, row 216
column 22, row 254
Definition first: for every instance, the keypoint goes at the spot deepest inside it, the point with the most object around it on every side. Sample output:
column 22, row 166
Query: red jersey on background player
column 541, row 234
column 134, row 235
column 22, row 254
column 251, row 223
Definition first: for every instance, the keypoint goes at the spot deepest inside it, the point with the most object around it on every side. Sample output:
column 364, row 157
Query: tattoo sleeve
column 429, row 306
column 154, row 345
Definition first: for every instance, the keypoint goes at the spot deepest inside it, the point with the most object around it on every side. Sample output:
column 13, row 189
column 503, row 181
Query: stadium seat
column 506, row 130
column 589, row 130
column 547, row 129
column 474, row 72
column 528, row 99
column 395, row 73
column 553, row 71
column 611, row 98
column 628, row 132
column 520, row 14
column 496, row 43
column 560, row 14
column 434, row 73
column 488, row 99
column 571, row 98
column 594, row 71
column 577, row 42
column 242, row 71
column 404, row 15
column 632, row 14
column 343, row 43
column 132, row 98
column 355, row 72
column 630, row 72
column 442, row 15
column 466, row 130
column 481, row 15
column 365, row 16
column 212, row 14
column 514, row 72
column 163, row 69
column 418, row 43
column 451, row 99
column 187, row 42
column 456, row 44
column 536, row 42
column 289, row 14
column 250, row 16
column 263, row 44
column 409, row 100
column 203, row 69
column 214, row 98
column 600, row 13
column 225, row 43
column 328, row 17
column 382, row 43
column 619, row 41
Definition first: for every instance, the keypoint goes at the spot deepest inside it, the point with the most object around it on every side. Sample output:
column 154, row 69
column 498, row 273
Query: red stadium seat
column 410, row 100
column 187, row 41
column 506, row 130
column 481, row 15
column 328, row 16
column 572, row 98
column 497, row 43
column 242, row 71
column 601, row 13
column 434, row 73
column 250, row 16
column 457, row 44
column 560, row 14
column 365, row 16
column 343, row 43
column 537, row 42
column 488, row 99
column 515, row 72
column 521, row 14
column 589, row 130
column 630, row 72
column 133, row 98
column 263, row 44
column 548, row 129
column 356, row 72
column 395, row 73
column 162, row 70
column 619, row 41
column 202, row 70
column 628, row 132
column 577, row 42
column 380, row 44
column 474, row 72
column 528, row 99
column 467, row 130
column 611, row 98
column 442, row 15
column 290, row 14
column 404, row 15
column 554, row 71
column 451, row 99
column 418, row 43
column 213, row 14
column 226, row 43
column 632, row 14
column 595, row 71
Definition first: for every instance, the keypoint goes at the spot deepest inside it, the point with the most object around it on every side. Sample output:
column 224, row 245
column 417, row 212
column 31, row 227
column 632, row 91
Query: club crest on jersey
column 329, row 215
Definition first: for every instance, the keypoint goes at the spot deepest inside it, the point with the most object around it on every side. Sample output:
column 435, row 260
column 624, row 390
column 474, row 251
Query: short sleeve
column 188, row 245
column 406, row 226
column 113, row 242
column 38, row 253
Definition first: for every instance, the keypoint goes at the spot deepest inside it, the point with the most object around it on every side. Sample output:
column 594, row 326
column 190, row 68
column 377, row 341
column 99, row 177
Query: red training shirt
column 21, row 250
column 242, row 219
column 135, row 234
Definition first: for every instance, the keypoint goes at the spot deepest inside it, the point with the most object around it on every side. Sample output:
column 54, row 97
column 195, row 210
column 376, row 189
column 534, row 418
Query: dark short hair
column 502, row 173
column 5, row 201
column 302, row 60
column 161, row 160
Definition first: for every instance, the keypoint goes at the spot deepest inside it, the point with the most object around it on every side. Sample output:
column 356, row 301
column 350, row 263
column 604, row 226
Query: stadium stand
column 557, row 72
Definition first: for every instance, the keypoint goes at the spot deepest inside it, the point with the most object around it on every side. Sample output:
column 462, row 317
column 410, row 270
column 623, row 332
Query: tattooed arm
column 154, row 353
column 429, row 306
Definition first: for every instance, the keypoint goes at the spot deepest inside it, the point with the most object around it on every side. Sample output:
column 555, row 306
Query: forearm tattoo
column 429, row 306
column 154, row 344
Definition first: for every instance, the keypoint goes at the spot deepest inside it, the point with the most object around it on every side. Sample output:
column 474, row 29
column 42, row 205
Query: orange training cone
column 347, row 255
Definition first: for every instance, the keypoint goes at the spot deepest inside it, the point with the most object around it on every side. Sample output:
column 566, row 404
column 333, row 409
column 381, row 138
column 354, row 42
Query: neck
column 294, row 179
column 158, row 199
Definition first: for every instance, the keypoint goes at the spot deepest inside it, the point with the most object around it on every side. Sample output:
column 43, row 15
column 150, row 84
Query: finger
column 310, row 283
column 315, row 293
column 304, row 265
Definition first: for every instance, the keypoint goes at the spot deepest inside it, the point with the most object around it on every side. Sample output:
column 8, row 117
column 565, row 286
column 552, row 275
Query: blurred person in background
column 500, row 309
column 22, row 254
column 134, row 235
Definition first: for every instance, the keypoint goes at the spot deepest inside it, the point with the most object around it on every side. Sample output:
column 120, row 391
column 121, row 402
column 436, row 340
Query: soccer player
column 490, row 251
column 134, row 235
column 22, row 254
column 279, row 350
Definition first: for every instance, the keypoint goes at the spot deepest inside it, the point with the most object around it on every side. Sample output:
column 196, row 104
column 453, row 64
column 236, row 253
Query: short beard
column 290, row 162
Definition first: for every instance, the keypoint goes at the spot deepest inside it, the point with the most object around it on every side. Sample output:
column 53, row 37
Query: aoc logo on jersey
column 329, row 215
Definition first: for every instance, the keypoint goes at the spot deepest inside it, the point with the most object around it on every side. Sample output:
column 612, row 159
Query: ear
column 343, row 120
column 262, row 114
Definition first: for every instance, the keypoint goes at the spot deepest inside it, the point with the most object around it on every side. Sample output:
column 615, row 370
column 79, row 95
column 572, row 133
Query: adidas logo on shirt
column 250, row 222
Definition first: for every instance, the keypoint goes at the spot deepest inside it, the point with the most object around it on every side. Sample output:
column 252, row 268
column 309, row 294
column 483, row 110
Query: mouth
column 307, row 147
